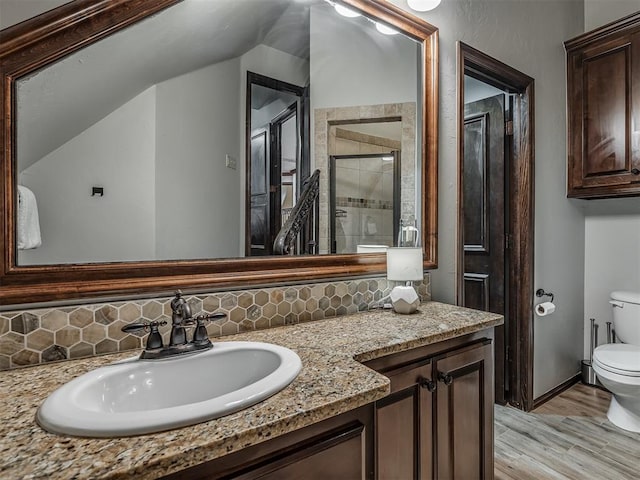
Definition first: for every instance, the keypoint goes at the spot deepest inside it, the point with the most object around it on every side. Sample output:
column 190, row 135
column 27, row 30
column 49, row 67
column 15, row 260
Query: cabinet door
column 464, row 413
column 337, row 455
column 604, row 118
column 338, row 448
column 403, row 424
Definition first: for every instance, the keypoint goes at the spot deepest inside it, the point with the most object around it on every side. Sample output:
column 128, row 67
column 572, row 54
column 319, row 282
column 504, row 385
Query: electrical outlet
column 230, row 162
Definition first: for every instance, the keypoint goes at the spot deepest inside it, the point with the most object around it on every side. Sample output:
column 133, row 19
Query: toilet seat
column 618, row 358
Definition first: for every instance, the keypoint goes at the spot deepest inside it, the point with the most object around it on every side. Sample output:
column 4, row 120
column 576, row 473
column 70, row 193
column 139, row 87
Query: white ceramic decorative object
column 404, row 299
column 404, row 264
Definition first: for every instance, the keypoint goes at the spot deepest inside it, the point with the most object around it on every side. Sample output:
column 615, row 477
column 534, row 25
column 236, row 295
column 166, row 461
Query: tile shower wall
column 324, row 145
column 364, row 193
column 29, row 337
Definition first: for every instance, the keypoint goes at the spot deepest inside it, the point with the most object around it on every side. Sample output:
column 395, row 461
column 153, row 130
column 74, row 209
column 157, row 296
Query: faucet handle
column 134, row 327
column 209, row 316
column 155, row 338
column 200, row 335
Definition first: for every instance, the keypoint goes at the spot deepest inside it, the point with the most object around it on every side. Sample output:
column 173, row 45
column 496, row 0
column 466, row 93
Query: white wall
column 262, row 117
column 475, row 90
column 15, row 11
column 345, row 63
column 197, row 125
column 122, row 221
column 601, row 12
column 529, row 36
column 612, row 261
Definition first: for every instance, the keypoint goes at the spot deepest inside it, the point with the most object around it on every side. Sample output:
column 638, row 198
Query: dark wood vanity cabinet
column 603, row 95
column 437, row 423
column 340, row 447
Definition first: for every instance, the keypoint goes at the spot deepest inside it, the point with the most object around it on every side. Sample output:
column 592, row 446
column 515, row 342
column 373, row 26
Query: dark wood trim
column 616, row 27
column 521, row 212
column 394, row 362
column 47, row 38
column 566, row 385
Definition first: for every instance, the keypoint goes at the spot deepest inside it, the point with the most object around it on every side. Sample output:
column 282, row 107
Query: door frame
column 281, row 86
column 275, row 170
column 520, row 207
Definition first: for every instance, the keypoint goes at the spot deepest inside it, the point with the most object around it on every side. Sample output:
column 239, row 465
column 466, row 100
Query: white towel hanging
column 28, row 222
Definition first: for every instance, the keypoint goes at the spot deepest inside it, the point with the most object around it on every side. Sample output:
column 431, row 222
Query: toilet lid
column 628, row 297
column 619, row 358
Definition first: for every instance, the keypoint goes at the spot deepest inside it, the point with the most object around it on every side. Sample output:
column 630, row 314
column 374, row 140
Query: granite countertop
column 332, row 381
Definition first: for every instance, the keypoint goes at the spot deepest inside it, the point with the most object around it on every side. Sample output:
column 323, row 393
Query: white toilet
column 617, row 365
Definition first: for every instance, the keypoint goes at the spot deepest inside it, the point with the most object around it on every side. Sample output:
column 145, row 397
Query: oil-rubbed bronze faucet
column 181, row 319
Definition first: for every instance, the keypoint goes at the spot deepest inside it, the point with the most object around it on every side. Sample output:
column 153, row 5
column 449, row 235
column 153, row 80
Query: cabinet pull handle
column 445, row 378
column 635, row 171
column 428, row 384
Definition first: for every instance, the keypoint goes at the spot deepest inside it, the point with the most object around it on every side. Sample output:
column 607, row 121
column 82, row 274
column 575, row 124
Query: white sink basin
column 136, row 396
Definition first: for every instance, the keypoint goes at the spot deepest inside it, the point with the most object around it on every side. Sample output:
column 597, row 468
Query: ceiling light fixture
column 345, row 12
column 382, row 28
column 423, row 5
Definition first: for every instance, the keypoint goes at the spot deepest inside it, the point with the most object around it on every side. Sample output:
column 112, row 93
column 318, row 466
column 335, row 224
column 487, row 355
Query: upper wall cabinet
column 603, row 95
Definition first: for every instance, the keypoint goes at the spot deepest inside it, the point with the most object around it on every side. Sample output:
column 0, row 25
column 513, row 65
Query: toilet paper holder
column 541, row 293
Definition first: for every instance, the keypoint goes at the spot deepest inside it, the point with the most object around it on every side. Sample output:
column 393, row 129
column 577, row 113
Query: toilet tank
column 626, row 316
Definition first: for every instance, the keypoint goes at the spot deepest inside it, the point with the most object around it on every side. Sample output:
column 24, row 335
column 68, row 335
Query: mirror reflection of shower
column 364, row 203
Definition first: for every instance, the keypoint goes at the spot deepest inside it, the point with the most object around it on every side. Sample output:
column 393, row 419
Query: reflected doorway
column 276, row 129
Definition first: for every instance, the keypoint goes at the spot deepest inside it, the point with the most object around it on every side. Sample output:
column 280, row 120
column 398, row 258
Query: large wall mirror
column 155, row 144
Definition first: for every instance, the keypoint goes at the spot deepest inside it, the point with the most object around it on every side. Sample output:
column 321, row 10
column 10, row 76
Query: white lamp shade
column 423, row 5
column 404, row 264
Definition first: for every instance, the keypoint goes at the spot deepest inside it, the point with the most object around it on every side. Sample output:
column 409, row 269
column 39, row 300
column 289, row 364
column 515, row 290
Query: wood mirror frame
column 51, row 36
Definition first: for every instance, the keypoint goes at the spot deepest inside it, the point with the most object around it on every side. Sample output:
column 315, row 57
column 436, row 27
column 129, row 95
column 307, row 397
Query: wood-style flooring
column 569, row 437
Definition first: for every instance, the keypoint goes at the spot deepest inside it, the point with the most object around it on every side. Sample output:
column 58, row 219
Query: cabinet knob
column 428, row 384
column 635, row 171
column 445, row 378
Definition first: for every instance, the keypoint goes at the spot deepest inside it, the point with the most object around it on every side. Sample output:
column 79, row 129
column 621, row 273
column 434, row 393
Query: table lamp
column 404, row 264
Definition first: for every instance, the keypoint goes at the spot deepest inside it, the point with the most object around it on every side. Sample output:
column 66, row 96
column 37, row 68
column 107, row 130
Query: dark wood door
column 259, row 233
column 604, row 112
column 484, row 227
column 404, row 446
column 464, row 413
column 483, row 197
column 267, row 155
column 284, row 152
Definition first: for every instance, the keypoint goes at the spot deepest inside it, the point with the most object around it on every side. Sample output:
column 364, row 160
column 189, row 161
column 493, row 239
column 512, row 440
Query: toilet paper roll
column 544, row 309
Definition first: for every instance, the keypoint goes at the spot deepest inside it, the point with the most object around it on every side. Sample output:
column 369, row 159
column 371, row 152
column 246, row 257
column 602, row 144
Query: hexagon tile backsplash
column 29, row 337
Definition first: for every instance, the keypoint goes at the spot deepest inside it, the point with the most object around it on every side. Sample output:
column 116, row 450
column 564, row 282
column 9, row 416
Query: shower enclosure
column 364, row 202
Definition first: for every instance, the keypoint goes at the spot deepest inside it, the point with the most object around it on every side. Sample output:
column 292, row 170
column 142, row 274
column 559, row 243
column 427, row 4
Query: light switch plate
column 230, row 162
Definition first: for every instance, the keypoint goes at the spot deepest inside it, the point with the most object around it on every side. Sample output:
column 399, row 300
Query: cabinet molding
column 603, row 97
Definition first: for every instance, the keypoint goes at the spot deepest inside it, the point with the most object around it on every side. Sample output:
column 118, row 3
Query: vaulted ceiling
column 63, row 99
